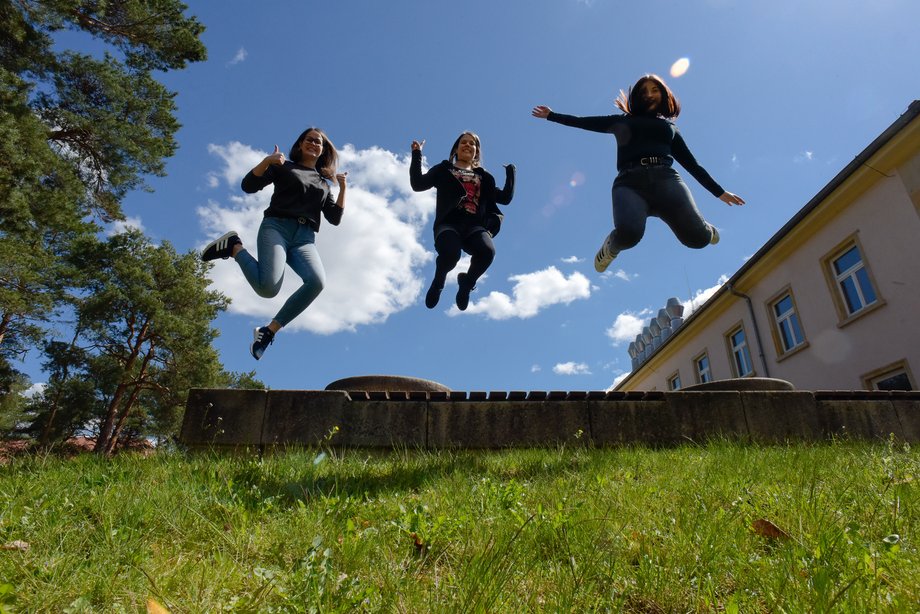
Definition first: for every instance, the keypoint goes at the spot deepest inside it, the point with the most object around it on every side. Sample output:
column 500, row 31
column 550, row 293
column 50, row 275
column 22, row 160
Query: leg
column 630, row 212
column 447, row 244
column 478, row 245
column 266, row 274
column 675, row 207
column 305, row 261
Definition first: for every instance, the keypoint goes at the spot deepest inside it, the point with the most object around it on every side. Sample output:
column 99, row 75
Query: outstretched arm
column 597, row 123
column 731, row 199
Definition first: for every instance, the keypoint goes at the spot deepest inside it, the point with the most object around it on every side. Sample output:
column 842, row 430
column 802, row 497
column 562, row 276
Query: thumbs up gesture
column 276, row 157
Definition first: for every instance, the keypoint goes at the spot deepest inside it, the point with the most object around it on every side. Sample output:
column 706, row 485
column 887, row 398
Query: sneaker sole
column 216, row 244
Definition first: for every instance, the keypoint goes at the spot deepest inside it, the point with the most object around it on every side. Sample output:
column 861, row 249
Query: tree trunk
column 5, row 325
column 105, row 433
column 46, row 431
column 129, row 404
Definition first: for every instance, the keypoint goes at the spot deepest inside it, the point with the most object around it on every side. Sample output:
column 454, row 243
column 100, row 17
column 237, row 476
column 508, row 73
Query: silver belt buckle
column 302, row 220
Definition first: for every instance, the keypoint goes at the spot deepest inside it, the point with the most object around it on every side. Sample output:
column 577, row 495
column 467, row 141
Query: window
column 850, row 280
column 674, row 381
column 703, row 371
column 787, row 329
column 741, row 355
column 895, row 376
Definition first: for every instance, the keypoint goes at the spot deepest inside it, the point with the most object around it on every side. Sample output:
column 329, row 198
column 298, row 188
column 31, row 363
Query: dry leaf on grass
column 16, row 545
column 765, row 528
column 154, row 607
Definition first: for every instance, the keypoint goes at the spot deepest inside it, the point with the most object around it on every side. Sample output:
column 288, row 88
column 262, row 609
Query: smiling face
column 650, row 96
column 311, row 147
column 466, row 150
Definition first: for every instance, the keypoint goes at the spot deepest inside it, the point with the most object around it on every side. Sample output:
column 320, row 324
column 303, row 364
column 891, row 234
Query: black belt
column 648, row 161
column 300, row 220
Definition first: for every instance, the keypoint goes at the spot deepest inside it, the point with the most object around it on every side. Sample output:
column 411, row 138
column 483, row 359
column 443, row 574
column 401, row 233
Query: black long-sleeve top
column 451, row 191
column 300, row 192
column 640, row 136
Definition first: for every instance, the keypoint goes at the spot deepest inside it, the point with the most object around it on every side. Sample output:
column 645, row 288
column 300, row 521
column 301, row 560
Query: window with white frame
column 674, row 381
column 853, row 280
column 787, row 326
column 741, row 354
column 703, row 370
column 895, row 376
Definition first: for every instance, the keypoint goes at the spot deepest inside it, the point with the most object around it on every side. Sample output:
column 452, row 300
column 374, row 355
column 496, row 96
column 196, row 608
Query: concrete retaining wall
column 244, row 418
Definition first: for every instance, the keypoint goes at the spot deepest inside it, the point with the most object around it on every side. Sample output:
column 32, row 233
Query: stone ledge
column 496, row 419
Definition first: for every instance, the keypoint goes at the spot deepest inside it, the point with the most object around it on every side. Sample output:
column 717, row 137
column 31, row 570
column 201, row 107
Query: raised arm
column 259, row 177
column 505, row 195
column 418, row 180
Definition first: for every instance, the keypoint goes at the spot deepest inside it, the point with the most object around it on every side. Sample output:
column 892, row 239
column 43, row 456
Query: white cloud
column 621, row 274
column 619, row 378
column 805, row 156
column 572, row 260
column 212, row 180
column 701, row 296
column 34, row 390
column 571, row 368
column 535, row 368
column 627, row 325
column 372, row 260
column 531, row 293
column 121, row 226
column 239, row 57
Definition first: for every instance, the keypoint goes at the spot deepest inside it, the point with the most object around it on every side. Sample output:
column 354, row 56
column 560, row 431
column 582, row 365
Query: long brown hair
column 630, row 102
column 328, row 160
column 477, row 159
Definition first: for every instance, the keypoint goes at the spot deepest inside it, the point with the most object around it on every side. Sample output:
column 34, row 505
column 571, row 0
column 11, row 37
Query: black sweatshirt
column 300, row 192
column 640, row 136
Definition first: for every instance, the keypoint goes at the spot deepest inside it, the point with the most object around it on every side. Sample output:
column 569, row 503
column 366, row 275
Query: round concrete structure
column 744, row 383
column 387, row 383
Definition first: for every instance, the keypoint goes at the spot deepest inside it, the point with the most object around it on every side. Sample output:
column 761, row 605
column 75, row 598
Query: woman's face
column 312, row 145
column 467, row 149
column 650, row 95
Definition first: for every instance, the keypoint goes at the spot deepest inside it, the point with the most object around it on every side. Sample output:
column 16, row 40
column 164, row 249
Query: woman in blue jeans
column 288, row 232
column 648, row 142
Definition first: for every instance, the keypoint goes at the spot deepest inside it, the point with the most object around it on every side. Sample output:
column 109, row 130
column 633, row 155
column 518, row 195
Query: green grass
column 569, row 530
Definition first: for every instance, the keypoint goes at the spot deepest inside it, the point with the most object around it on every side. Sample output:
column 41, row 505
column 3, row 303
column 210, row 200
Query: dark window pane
column 895, row 382
column 854, row 303
column 847, row 260
column 865, row 285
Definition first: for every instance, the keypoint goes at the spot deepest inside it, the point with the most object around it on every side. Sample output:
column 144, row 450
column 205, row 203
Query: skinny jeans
column 660, row 192
column 284, row 241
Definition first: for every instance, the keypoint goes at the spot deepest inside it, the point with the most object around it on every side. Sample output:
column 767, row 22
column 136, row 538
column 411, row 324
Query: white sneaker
column 605, row 256
column 715, row 235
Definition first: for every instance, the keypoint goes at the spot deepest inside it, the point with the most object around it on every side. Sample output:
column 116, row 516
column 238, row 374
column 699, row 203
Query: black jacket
column 451, row 191
column 300, row 192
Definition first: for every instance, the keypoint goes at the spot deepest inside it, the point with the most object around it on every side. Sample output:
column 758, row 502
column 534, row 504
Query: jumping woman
column 466, row 216
column 287, row 234
column 648, row 142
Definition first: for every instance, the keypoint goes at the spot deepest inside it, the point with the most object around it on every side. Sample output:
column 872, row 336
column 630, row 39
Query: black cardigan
column 451, row 191
column 300, row 192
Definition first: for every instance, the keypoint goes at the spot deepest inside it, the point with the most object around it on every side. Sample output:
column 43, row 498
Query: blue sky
column 778, row 97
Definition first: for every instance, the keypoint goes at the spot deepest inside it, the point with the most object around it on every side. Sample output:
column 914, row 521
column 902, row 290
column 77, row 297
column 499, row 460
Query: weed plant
column 723, row 527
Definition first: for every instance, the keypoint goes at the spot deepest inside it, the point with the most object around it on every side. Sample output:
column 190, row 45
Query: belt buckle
column 302, row 220
column 646, row 161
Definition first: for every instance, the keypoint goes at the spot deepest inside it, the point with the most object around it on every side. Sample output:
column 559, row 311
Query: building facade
column 830, row 302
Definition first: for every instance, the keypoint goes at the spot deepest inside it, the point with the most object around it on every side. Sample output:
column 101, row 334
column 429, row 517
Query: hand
column 731, row 199
column 417, row 145
column 340, row 177
column 276, row 157
column 541, row 111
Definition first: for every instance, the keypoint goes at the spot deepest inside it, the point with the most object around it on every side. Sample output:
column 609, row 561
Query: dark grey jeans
column 660, row 192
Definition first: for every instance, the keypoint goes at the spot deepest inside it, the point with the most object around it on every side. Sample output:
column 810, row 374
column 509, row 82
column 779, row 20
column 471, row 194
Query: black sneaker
column 261, row 338
column 222, row 247
column 463, row 293
column 433, row 296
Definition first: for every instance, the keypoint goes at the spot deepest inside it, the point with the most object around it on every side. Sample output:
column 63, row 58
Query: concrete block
column 702, row 416
column 777, row 416
column 308, row 417
column 506, row 424
column 908, row 412
column 223, row 417
column 859, row 419
column 621, row 422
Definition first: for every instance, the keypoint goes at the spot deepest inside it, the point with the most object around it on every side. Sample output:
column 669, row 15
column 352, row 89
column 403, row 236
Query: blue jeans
column 660, row 192
column 283, row 241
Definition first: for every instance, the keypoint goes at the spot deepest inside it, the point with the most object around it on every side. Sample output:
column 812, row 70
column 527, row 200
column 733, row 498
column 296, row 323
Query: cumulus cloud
column 372, row 260
column 531, row 293
column 619, row 378
column 571, row 368
column 34, row 390
column 238, row 57
column 701, row 296
column 627, row 325
column 621, row 274
column 572, row 260
column 121, row 226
